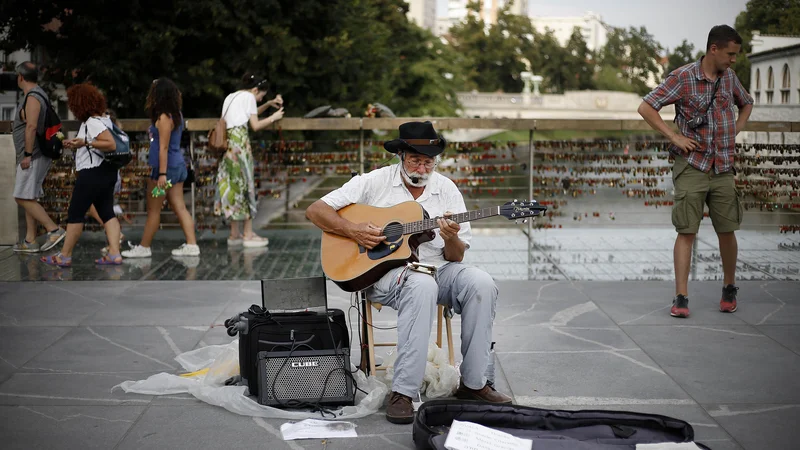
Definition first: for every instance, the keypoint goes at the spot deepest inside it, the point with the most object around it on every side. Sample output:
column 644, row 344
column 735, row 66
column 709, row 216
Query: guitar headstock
column 521, row 209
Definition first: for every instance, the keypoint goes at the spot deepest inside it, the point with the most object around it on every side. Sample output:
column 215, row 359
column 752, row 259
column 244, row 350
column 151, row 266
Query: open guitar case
column 550, row 429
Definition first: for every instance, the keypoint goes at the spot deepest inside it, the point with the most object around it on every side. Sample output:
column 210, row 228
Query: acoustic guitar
column 407, row 225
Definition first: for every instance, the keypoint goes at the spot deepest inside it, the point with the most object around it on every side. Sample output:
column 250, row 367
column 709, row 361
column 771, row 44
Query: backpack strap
column 86, row 136
column 25, row 102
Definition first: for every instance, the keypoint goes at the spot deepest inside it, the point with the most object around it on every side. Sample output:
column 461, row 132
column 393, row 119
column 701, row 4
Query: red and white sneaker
column 728, row 302
column 680, row 307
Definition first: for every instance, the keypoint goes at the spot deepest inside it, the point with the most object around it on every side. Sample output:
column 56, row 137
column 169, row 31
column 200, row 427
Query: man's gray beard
column 423, row 179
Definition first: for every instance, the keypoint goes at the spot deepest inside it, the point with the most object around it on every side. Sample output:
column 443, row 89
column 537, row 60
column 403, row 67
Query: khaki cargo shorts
column 694, row 188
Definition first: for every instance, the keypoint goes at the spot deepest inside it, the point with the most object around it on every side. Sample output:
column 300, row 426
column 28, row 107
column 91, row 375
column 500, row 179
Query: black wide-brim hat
column 419, row 137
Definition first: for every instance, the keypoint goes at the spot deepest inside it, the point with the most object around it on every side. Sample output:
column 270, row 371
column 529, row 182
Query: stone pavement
column 568, row 344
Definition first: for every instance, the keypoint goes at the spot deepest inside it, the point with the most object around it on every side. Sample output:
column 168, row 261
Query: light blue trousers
column 470, row 291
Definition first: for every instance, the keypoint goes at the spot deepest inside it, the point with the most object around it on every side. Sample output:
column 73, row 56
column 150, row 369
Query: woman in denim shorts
column 166, row 159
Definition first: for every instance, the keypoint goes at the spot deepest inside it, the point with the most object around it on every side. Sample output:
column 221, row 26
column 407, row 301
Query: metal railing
column 575, row 176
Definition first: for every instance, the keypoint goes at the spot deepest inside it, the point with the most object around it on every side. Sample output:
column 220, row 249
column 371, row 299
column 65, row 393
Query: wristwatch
column 28, row 155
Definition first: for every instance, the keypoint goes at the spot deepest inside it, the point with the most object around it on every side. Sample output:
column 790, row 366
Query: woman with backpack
column 95, row 180
column 117, row 189
column 235, row 196
column 163, row 106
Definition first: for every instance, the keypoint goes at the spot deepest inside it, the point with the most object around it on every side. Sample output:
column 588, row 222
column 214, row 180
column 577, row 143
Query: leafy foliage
column 680, row 56
column 345, row 53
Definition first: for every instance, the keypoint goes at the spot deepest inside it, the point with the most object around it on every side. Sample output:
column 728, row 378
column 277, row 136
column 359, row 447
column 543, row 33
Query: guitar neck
column 430, row 224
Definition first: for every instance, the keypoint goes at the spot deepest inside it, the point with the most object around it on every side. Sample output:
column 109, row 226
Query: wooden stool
column 366, row 326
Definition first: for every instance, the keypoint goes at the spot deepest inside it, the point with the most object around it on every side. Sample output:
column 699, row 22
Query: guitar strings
column 397, row 228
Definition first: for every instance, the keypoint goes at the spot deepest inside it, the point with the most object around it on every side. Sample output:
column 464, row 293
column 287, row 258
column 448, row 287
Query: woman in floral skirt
column 236, row 196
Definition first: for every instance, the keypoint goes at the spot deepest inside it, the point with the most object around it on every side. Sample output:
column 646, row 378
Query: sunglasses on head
column 260, row 83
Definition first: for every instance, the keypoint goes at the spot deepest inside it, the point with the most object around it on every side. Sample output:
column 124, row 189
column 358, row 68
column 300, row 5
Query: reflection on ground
column 506, row 253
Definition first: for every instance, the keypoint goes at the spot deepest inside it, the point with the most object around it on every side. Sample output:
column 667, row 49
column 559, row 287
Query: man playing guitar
column 470, row 291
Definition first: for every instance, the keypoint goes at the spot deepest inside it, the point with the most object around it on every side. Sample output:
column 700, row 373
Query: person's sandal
column 109, row 260
column 57, row 260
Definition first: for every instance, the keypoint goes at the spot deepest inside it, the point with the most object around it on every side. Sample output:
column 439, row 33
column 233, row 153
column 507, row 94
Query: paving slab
column 786, row 335
column 121, row 349
column 759, row 426
column 54, row 304
column 59, row 427
column 648, row 302
column 703, row 360
column 168, row 303
column 561, row 344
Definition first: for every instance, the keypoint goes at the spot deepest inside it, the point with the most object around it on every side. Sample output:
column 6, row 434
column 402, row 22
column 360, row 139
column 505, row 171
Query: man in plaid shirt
column 704, row 94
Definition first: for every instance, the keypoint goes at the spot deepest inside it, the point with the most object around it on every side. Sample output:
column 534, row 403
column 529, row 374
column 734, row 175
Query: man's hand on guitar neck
column 366, row 234
column 447, row 228
column 454, row 247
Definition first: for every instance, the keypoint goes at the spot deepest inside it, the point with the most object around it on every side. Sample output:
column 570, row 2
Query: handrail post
column 191, row 164
column 530, row 198
column 361, row 147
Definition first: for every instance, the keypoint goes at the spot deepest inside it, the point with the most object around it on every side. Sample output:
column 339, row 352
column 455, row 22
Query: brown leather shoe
column 485, row 394
column 400, row 410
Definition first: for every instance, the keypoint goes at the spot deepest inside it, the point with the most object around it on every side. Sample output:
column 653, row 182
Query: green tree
column 338, row 52
column 429, row 77
column 680, row 56
column 494, row 56
column 614, row 53
column 644, row 57
column 549, row 60
column 636, row 53
column 610, row 78
column 578, row 62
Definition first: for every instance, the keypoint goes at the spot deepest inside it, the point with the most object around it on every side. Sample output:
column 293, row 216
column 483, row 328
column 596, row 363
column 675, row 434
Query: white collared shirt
column 384, row 187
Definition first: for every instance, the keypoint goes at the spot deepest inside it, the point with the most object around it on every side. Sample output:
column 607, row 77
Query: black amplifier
column 303, row 377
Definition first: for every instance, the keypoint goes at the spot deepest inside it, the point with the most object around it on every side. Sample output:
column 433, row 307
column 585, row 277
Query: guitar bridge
column 381, row 250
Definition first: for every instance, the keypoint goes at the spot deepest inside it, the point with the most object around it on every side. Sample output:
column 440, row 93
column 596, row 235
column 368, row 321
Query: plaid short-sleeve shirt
column 690, row 91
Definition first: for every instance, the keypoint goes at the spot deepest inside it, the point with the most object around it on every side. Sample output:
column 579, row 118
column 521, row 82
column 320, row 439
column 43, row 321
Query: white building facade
column 423, row 13
column 457, row 12
column 775, row 85
column 591, row 25
column 10, row 98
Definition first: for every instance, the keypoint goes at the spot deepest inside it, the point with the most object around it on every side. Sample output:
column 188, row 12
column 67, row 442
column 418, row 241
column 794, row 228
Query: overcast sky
column 670, row 21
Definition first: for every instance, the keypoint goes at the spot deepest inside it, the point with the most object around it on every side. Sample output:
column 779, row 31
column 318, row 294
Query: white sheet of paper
column 471, row 436
column 317, row 429
column 668, row 446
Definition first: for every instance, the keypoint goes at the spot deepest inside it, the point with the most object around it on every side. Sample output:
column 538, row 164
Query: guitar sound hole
column 394, row 238
column 393, row 231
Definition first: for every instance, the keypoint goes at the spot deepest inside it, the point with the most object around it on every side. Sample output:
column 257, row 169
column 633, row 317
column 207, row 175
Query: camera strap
column 713, row 95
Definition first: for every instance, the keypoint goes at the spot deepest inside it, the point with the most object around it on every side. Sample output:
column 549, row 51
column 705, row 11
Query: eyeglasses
column 416, row 162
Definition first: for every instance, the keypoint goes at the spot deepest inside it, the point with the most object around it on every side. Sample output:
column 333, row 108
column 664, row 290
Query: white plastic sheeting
column 440, row 380
column 222, row 362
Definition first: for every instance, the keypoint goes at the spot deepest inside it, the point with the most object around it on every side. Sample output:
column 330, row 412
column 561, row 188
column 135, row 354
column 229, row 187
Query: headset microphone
column 414, row 178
